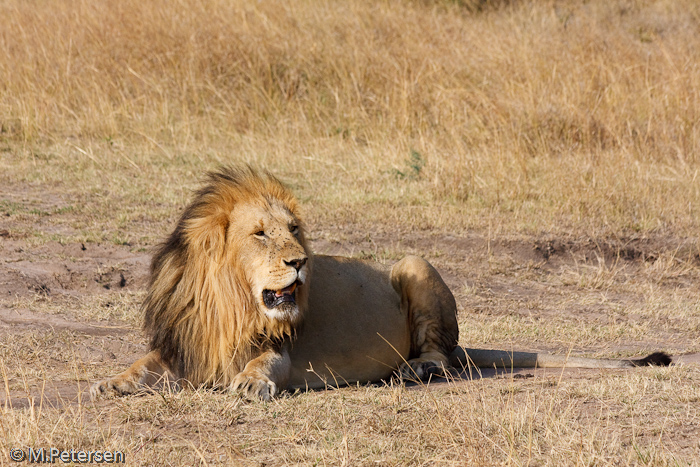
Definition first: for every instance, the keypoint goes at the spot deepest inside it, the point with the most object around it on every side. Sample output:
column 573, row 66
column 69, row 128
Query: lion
column 237, row 301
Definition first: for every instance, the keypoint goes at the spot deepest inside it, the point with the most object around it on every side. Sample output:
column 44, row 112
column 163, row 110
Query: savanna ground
column 544, row 156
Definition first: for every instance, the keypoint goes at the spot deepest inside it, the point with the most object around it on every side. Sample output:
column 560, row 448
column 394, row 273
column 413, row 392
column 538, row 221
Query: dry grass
column 532, row 116
column 401, row 125
column 618, row 420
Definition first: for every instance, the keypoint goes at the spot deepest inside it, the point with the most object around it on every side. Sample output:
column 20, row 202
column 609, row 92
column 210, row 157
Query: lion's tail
column 482, row 358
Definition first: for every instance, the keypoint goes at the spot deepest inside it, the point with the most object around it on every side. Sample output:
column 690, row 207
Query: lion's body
column 362, row 320
column 236, row 300
column 373, row 317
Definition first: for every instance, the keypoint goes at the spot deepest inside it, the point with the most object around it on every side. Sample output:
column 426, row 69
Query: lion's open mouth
column 274, row 298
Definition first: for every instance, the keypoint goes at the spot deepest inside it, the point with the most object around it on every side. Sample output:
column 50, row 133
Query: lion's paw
column 112, row 387
column 422, row 369
column 254, row 385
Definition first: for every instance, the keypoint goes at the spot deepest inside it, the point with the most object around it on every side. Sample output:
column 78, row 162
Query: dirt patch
column 54, row 394
column 72, row 269
column 12, row 319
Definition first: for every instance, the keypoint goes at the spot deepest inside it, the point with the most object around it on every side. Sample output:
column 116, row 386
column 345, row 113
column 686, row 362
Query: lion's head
column 230, row 279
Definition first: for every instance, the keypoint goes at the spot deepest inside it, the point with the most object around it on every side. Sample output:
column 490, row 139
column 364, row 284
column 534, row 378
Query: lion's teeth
column 286, row 291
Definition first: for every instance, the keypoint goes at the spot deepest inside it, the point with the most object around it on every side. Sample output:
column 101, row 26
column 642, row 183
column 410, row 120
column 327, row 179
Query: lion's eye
column 294, row 229
column 260, row 234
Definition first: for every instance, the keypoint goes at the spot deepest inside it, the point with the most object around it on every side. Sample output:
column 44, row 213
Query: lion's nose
column 296, row 263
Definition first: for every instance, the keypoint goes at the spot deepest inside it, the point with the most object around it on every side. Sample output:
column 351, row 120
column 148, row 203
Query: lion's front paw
column 422, row 369
column 254, row 385
column 112, row 387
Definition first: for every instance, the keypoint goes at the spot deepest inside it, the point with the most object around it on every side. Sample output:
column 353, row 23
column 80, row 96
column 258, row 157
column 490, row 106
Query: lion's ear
column 208, row 234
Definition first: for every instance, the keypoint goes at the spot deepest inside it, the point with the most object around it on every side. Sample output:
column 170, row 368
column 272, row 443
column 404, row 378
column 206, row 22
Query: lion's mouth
column 274, row 298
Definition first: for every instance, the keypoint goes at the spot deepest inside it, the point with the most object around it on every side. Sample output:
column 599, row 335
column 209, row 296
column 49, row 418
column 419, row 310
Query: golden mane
column 199, row 310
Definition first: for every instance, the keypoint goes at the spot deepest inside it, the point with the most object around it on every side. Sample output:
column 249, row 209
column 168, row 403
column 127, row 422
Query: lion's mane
column 199, row 311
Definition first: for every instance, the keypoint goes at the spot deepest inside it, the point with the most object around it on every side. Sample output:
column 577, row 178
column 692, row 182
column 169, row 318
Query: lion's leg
column 432, row 315
column 264, row 376
column 147, row 372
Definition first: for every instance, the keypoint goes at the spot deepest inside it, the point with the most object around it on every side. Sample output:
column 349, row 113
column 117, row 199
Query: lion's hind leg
column 147, row 372
column 432, row 314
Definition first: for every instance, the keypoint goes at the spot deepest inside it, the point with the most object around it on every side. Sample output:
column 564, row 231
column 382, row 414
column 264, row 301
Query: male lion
column 236, row 300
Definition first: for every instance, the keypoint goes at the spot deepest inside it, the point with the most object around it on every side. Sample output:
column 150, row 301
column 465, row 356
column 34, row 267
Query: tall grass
column 585, row 113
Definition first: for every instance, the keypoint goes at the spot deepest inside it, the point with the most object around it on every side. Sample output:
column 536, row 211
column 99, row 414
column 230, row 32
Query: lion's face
column 271, row 251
